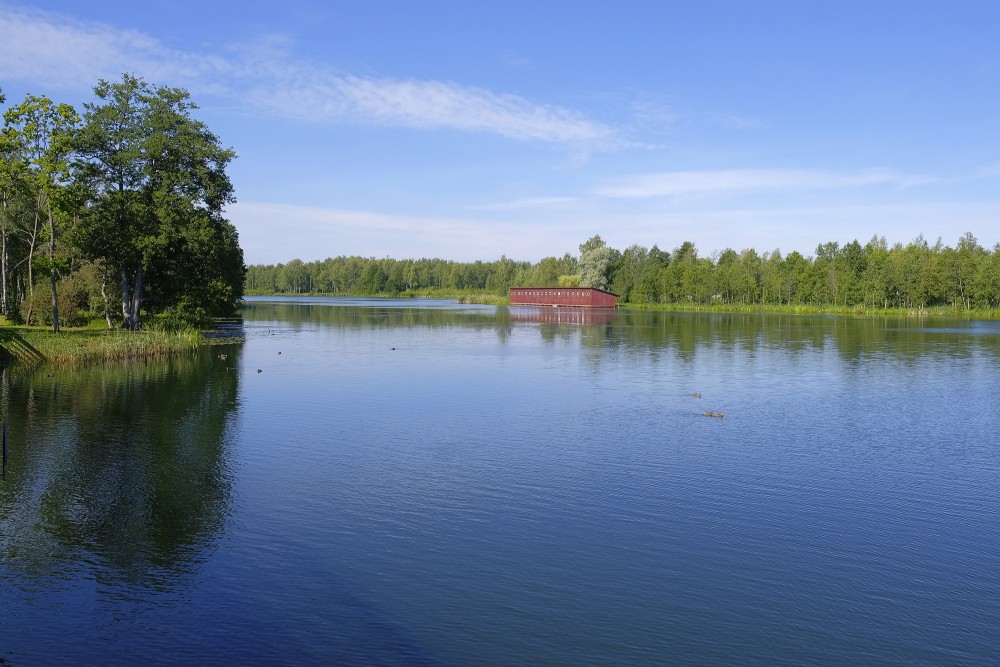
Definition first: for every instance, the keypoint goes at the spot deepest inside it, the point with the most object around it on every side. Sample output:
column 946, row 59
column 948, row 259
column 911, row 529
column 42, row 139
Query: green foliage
column 73, row 301
column 154, row 183
column 177, row 320
column 36, row 147
column 134, row 193
column 595, row 266
column 849, row 278
column 564, row 281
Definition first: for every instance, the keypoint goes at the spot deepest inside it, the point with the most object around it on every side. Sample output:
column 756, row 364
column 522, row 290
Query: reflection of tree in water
column 118, row 468
column 640, row 333
column 295, row 314
column 854, row 339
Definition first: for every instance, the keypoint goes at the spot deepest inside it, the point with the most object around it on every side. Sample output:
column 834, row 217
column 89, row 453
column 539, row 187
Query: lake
column 417, row 482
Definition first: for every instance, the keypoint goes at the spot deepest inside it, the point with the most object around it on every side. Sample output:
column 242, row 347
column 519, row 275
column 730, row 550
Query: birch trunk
column 104, row 297
column 3, row 270
column 52, row 271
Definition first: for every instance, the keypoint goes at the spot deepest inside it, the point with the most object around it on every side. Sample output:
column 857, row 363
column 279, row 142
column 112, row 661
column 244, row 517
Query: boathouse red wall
column 579, row 297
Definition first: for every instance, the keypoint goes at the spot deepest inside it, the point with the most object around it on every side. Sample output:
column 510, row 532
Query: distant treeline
column 871, row 276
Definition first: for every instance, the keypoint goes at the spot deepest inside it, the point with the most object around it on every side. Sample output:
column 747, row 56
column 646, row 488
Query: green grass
column 94, row 345
column 802, row 309
column 489, row 299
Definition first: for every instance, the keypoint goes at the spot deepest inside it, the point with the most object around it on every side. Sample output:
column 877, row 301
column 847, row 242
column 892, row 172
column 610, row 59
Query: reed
column 90, row 345
column 487, row 299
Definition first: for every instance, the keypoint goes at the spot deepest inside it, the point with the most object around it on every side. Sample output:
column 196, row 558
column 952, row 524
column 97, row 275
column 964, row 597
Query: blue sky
column 467, row 130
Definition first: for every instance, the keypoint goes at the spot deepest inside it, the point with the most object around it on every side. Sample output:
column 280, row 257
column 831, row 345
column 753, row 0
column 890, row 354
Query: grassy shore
column 775, row 309
column 840, row 311
column 731, row 308
column 93, row 345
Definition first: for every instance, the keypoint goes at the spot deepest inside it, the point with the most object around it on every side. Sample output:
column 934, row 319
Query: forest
column 115, row 210
column 874, row 276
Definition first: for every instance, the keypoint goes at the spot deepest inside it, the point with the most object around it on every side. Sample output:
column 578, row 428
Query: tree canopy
column 874, row 275
column 140, row 186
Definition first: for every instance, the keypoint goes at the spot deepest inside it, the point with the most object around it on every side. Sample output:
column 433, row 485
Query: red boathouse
column 578, row 297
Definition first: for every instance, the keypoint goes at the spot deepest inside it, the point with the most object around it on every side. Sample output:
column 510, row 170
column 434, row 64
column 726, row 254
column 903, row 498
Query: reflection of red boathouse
column 579, row 297
column 570, row 315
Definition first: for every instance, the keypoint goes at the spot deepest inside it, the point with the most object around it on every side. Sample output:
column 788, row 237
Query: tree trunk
column 52, row 271
column 104, row 297
column 33, row 242
column 132, row 299
column 3, row 270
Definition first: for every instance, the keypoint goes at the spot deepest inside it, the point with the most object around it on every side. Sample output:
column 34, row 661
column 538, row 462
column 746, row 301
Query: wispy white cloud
column 735, row 121
column 527, row 202
column 681, row 183
column 54, row 50
column 654, row 115
column 280, row 232
column 423, row 103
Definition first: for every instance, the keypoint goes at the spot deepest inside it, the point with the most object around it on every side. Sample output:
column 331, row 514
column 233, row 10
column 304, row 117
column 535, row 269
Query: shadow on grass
column 13, row 345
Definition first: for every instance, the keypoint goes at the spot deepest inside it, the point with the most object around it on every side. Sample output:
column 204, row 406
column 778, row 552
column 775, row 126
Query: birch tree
column 37, row 140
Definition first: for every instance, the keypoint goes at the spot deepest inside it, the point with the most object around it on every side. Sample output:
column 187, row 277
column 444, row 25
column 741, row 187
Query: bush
column 37, row 308
column 78, row 298
column 174, row 320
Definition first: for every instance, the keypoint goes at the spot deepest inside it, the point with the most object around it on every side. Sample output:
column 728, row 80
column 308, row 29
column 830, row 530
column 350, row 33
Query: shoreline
column 722, row 309
column 83, row 345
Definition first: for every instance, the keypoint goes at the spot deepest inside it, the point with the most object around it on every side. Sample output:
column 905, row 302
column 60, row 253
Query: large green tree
column 37, row 135
column 155, row 186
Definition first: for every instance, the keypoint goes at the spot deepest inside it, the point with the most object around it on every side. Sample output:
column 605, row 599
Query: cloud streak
column 323, row 96
column 53, row 50
column 528, row 203
column 278, row 231
column 739, row 181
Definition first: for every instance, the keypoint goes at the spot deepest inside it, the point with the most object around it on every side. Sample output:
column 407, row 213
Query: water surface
column 418, row 482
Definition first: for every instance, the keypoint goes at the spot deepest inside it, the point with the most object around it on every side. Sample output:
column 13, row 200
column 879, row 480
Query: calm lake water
column 376, row 482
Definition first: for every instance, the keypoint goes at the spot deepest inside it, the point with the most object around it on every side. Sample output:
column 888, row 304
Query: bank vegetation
column 916, row 277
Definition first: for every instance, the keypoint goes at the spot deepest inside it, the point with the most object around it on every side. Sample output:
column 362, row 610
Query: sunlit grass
column 90, row 345
column 488, row 299
column 803, row 309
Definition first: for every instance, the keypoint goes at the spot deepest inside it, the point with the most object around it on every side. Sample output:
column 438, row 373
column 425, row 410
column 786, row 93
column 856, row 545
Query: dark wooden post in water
column 4, row 450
